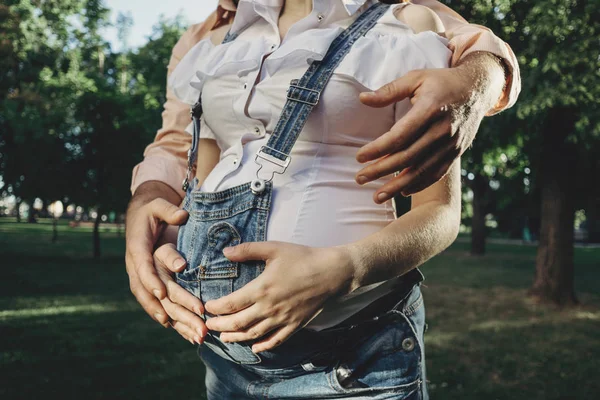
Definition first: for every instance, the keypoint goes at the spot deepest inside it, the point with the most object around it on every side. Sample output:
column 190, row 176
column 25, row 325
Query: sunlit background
column 144, row 15
column 513, row 307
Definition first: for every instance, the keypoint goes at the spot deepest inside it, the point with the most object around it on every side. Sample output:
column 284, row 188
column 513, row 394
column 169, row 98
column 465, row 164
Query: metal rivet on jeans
column 343, row 372
column 257, row 186
column 408, row 344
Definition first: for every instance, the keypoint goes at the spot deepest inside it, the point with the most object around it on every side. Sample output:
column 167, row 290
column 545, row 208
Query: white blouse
column 316, row 202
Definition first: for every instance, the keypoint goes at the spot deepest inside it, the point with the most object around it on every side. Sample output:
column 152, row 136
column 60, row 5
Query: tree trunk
column 554, row 274
column 54, row 229
column 44, row 211
column 31, row 217
column 96, row 236
column 18, row 205
column 478, row 233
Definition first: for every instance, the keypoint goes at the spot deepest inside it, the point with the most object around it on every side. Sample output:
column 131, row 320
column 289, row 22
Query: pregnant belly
column 316, row 202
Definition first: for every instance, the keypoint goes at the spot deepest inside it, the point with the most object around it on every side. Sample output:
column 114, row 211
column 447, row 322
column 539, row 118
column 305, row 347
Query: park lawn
column 70, row 328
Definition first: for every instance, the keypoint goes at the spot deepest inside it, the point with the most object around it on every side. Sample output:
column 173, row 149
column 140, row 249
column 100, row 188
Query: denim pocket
column 218, row 220
column 388, row 362
column 214, row 264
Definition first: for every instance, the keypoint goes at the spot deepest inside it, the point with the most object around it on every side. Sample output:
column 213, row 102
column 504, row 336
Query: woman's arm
column 426, row 230
column 298, row 280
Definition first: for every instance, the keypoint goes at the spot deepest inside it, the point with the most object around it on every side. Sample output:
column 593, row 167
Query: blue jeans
column 380, row 358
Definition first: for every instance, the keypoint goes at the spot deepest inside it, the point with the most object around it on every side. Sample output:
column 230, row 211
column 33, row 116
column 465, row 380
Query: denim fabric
column 304, row 93
column 381, row 358
column 377, row 358
column 218, row 220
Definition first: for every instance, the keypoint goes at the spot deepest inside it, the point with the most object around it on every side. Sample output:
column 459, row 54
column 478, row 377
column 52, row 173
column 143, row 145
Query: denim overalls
column 239, row 214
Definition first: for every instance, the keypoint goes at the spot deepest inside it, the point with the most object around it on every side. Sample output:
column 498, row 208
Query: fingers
column 254, row 332
column 167, row 211
column 415, row 179
column 404, row 132
column 186, row 332
column 275, row 339
column 250, row 251
column 148, row 302
column 168, row 256
column 234, row 302
column 437, row 133
column 239, row 321
column 149, row 277
column 392, row 92
column 431, row 173
column 185, row 317
column 179, row 295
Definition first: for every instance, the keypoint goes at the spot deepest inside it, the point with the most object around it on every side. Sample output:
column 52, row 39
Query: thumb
column 393, row 92
column 257, row 251
column 168, row 212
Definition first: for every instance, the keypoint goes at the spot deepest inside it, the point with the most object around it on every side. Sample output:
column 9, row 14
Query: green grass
column 70, row 328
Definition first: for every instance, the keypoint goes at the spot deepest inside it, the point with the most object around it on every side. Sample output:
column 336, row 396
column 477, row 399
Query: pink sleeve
column 165, row 159
column 467, row 38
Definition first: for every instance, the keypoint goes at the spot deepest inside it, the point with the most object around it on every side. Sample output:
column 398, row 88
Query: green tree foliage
column 74, row 115
column 556, row 122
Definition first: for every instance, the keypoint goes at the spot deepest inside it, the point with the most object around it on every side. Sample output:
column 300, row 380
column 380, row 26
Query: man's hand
column 151, row 217
column 448, row 106
column 291, row 290
column 182, row 307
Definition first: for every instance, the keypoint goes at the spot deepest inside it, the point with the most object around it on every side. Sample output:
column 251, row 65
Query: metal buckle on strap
column 282, row 164
column 294, row 85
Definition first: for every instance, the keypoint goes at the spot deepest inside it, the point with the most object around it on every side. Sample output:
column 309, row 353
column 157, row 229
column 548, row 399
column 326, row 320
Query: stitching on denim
column 225, row 213
column 405, row 389
column 218, row 197
column 230, row 272
column 412, row 308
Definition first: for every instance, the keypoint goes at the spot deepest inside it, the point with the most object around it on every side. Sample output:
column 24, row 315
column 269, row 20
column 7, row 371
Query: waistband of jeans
column 386, row 303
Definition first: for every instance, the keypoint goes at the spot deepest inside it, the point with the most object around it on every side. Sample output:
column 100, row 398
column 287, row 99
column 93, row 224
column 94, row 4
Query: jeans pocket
column 388, row 362
column 214, row 264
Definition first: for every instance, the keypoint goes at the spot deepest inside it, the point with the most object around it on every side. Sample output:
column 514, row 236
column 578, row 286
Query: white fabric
column 244, row 83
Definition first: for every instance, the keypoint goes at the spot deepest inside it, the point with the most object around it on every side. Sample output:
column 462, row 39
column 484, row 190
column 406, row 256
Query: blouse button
column 320, row 17
column 245, row 86
column 273, row 46
column 257, row 130
column 235, row 161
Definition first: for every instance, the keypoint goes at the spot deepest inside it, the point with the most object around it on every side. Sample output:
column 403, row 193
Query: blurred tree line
column 534, row 165
column 75, row 117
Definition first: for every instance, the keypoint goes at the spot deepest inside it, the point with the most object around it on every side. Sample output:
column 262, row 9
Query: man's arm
column 448, row 107
column 287, row 295
column 153, row 215
column 166, row 157
column 466, row 38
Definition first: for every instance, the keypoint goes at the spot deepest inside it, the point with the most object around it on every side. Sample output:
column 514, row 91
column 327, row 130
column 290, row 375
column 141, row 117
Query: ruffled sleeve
column 205, row 60
column 391, row 50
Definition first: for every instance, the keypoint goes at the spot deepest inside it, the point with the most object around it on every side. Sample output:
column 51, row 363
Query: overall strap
column 304, row 93
column 196, row 113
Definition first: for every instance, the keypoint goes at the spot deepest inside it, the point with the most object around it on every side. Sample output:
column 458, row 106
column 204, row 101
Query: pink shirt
column 165, row 158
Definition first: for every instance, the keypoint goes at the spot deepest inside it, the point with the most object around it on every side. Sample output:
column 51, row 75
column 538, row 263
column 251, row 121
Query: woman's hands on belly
column 295, row 284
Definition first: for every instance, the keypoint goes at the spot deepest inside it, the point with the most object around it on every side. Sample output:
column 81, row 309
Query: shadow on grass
column 80, row 355
column 71, row 329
